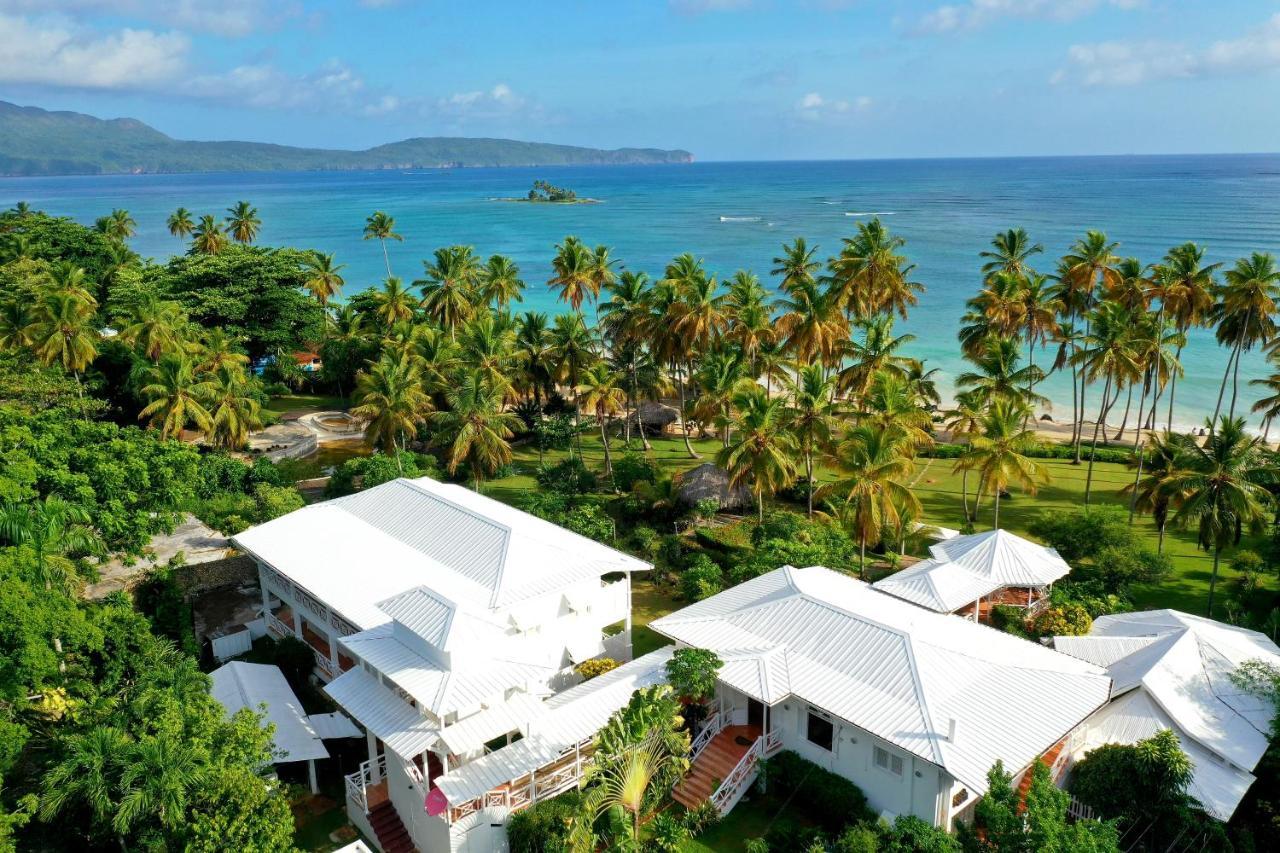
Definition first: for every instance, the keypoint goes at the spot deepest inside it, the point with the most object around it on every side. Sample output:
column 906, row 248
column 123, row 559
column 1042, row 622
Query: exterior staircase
column 392, row 836
column 714, row 764
column 1049, row 759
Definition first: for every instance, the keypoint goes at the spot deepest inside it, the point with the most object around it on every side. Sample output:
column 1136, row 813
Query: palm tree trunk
column 1266, row 429
column 862, row 556
column 995, row 521
column 1235, row 387
column 1088, row 482
column 1222, row 387
column 808, row 473
column 1084, row 384
column 385, row 257
column 964, row 493
column 684, row 426
column 1173, row 387
column 1133, row 498
column 1124, row 422
column 760, row 506
column 604, row 442
column 1160, row 540
column 1075, row 405
column 1213, row 579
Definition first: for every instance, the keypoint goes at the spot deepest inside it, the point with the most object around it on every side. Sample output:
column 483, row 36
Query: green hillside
column 39, row 142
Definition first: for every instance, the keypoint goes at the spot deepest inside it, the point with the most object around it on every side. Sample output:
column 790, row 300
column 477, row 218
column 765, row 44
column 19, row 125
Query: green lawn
column 751, row 818
column 303, row 403
column 939, row 490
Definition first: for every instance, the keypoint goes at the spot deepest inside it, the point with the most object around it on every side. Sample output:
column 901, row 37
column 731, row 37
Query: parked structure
column 969, row 575
column 912, row 706
column 1172, row 670
column 441, row 620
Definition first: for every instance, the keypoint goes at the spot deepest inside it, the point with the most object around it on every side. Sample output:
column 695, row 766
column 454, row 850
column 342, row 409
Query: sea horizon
column 737, row 214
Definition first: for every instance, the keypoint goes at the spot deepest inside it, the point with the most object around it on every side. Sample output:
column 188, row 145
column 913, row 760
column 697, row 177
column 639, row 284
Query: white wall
column 920, row 790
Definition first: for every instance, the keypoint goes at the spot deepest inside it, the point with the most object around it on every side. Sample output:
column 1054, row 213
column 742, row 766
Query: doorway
column 755, row 713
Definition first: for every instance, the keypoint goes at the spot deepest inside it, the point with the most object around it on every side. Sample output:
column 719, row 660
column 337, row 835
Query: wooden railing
column 712, row 727
column 555, row 777
column 739, row 779
column 358, row 782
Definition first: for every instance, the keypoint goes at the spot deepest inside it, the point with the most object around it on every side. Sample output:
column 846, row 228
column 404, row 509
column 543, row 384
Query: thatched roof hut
column 654, row 416
column 709, row 481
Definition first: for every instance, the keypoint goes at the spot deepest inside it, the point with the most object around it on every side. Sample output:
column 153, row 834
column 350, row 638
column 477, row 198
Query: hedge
column 828, row 799
column 1043, row 451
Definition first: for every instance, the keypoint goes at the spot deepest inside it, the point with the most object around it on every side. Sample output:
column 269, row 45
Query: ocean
column 738, row 215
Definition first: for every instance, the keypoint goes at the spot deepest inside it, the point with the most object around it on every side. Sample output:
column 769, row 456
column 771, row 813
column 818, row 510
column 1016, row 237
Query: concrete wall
column 216, row 574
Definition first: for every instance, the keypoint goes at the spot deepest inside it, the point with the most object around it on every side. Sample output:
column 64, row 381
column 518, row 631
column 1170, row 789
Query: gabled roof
column 358, row 550
column 963, row 569
column 1185, row 663
column 247, row 685
column 896, row 670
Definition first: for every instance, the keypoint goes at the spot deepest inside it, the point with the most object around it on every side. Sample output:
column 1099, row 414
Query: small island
column 546, row 193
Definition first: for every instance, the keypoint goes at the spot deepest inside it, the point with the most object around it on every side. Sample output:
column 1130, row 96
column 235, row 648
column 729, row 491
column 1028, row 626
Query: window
column 820, row 731
column 887, row 761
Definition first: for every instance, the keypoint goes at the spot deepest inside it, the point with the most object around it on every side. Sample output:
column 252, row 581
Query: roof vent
column 951, row 730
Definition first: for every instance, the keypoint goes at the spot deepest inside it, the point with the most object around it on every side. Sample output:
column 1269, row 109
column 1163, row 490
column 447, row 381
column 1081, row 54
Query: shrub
column 827, row 798
column 1247, row 562
column 1148, row 778
column 631, row 468
column 702, row 580
column 554, row 433
column 859, row 838
column 567, row 477
column 910, row 834
column 759, row 845
column 1083, row 534
column 667, row 833
column 544, row 826
column 264, row 470
column 692, row 673
column 788, row 835
column 1066, row 620
column 589, row 669
column 706, row 509
column 275, row 501
column 1010, row 619
column 1119, row 566
column 645, row 540
column 586, row 519
column 378, row 468
column 220, row 473
column 702, row 818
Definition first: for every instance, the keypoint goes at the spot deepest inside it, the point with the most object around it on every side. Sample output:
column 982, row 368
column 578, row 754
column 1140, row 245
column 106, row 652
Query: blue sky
column 726, row 79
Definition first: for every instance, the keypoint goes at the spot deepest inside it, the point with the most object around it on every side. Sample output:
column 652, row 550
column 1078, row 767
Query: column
column 626, row 627
column 297, row 619
column 374, row 773
column 311, row 775
column 333, row 651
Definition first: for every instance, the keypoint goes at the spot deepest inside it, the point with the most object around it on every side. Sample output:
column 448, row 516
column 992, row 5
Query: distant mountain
column 39, row 142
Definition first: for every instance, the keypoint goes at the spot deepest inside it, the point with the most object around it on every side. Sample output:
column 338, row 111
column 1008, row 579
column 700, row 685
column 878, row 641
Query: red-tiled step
column 714, row 764
column 392, row 836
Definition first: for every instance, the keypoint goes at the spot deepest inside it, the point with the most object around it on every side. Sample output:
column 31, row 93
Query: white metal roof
column 409, row 533
column 963, row 569
column 1135, row 716
column 394, row 721
column 475, row 731
column 442, row 689
column 898, row 671
column 333, row 725
column 247, row 685
column 1185, row 663
column 569, row 718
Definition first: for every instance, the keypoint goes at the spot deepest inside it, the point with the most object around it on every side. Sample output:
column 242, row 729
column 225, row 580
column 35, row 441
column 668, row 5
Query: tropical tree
column 56, row 531
column 573, row 351
column 878, row 352
column 449, row 293
column 64, row 332
column 601, row 392
column 1157, row 466
column 869, row 276
column 118, row 225
column 810, row 324
column 176, row 395
column 999, row 453
column 487, row 345
column 216, row 350
column 796, row 265
column 1108, row 354
column 535, row 355
column 17, row 324
column 157, row 781
column 964, row 422
column 998, row 377
column 763, row 454
column 88, row 772
column 500, row 282
column 1245, row 315
column 381, row 227
column 812, row 419
column 891, row 402
column 390, row 397
column 718, row 379
column 393, row 303
column 243, row 222
column 234, row 410
column 873, row 464
column 154, row 326
column 1090, row 264
column 575, row 273
column 1010, row 252
column 208, row 237
column 1222, row 488
column 1184, row 284
column 474, row 429
column 1268, row 406
column 180, row 223
column 323, row 277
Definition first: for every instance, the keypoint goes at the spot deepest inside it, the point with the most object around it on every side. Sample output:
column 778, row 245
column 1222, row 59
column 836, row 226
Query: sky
column 724, row 79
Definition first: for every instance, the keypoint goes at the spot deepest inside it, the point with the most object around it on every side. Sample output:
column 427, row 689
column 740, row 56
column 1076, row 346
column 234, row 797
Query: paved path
column 197, row 542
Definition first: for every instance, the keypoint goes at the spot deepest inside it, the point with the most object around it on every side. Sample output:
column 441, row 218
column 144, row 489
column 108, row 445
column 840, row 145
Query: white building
column 912, row 706
column 971, row 574
column 442, row 620
column 1171, row 670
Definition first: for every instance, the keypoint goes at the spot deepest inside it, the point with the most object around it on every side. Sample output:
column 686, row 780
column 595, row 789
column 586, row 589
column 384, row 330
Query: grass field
column 938, row 489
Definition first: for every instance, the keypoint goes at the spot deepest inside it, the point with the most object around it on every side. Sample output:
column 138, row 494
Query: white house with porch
column 1172, row 670
column 912, row 706
column 444, row 623
column 971, row 574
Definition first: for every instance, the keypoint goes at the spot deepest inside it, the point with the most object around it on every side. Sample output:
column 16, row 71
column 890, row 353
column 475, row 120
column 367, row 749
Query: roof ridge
column 413, row 484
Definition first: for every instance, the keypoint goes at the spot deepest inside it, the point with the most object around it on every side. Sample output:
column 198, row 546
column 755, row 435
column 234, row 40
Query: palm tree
column 998, row 454
column 1150, row 491
column 118, row 225
column 216, row 350
column 157, row 780
column 1108, row 353
column 500, row 282
column 1184, row 285
column 233, row 410
column 449, row 289
column 176, row 395
column 243, row 222
column 878, row 352
column 180, row 223
column 323, row 278
column 772, row 362
column 575, row 273
column 390, row 397
column 573, row 352
column 668, row 346
column 88, row 772
column 700, row 316
column 764, row 452
column 487, row 346
column 535, row 354
column 208, row 238
column 796, row 265
column 1269, row 406
column 964, row 422
column 718, row 379
column 1222, row 488
column 1245, row 315
column 64, row 333
column 813, row 418
column 475, row 428
column 621, row 783
column 65, row 277
column 382, row 228
column 874, row 464
column 155, row 326
column 890, row 402
column 17, row 324
column 998, row 376
column 56, row 531
column 393, row 303
column 1010, row 253
column 1132, row 288
column 749, row 319
column 869, row 276
column 1090, row 263
column 811, row 325
column 601, row 392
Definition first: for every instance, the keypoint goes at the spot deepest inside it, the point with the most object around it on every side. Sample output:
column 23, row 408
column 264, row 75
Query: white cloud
column 813, row 106
column 498, row 101
column 1116, row 63
column 57, row 55
column 975, row 14
column 333, row 87
column 231, row 18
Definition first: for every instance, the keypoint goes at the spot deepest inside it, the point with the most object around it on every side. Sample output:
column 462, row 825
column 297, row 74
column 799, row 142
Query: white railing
column 712, row 727
column 326, row 666
column 275, row 626
column 617, row 646
column 740, row 778
column 772, row 743
column 1079, row 811
column 541, row 785
column 358, row 782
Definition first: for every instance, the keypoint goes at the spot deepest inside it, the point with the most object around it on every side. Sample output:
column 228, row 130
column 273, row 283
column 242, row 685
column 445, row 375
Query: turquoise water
column 737, row 215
